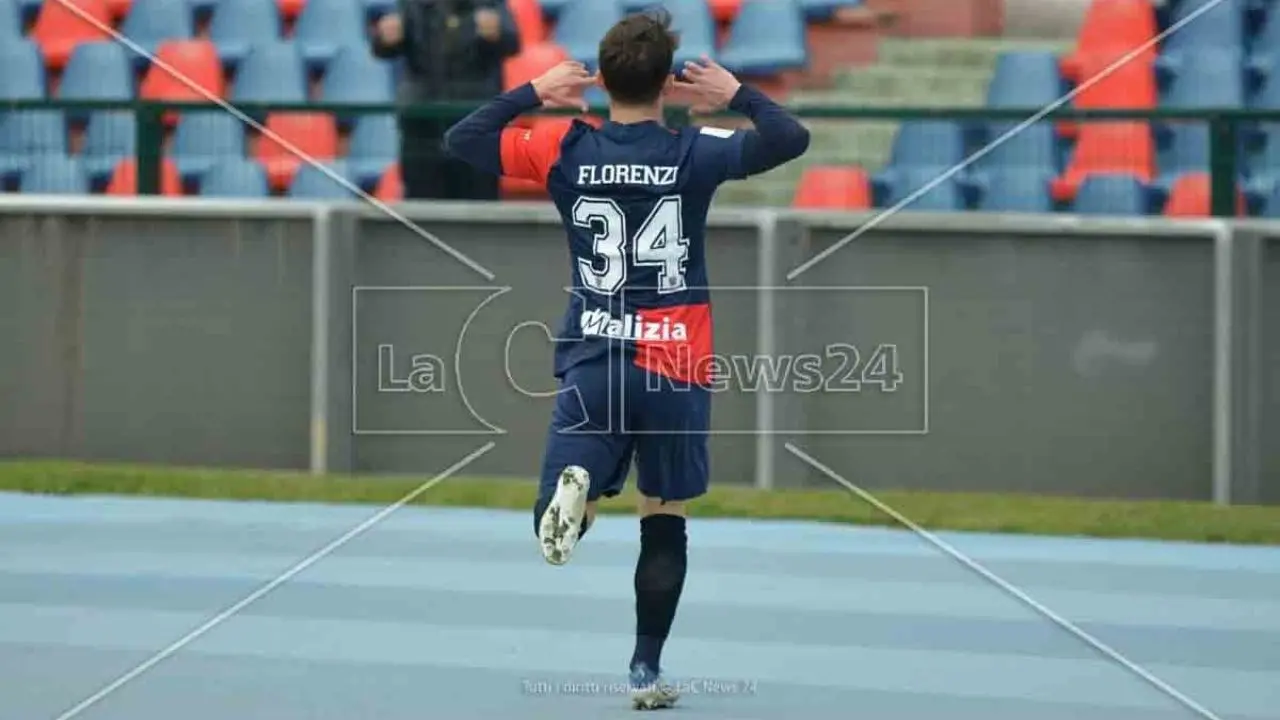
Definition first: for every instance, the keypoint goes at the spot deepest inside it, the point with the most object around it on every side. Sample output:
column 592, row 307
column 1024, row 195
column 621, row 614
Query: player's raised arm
column 483, row 140
column 778, row 137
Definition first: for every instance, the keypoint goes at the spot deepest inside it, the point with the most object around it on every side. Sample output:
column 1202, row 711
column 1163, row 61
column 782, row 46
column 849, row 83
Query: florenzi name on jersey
column 598, row 323
column 660, row 175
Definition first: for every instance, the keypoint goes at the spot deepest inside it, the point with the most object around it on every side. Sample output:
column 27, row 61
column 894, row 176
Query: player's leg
column 672, row 464
column 585, row 459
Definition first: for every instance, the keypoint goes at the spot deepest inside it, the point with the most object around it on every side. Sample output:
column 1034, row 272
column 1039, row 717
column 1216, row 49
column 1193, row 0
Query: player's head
column 635, row 58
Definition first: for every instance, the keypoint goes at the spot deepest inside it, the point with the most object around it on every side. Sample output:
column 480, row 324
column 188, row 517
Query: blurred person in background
column 453, row 51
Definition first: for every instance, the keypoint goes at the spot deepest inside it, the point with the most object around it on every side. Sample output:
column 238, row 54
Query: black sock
column 541, row 506
column 660, row 573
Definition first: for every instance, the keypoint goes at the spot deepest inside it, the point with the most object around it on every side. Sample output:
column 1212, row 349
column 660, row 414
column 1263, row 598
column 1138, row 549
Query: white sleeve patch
column 717, row 132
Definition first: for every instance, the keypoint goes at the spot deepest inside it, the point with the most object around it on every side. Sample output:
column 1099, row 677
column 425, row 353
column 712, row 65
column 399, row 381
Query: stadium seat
column 313, row 136
column 59, row 29
column 824, row 10
column 530, row 63
column 724, row 11
column 943, row 195
column 1124, row 85
column 697, row 29
column 1212, row 79
column 11, row 24
column 1191, row 195
column 356, row 77
column 152, row 22
column 582, row 24
column 235, row 178
column 110, row 136
column 179, row 65
column 124, row 178
column 552, row 8
column 1013, row 146
column 1112, row 194
column 311, row 183
column 96, row 71
column 1112, row 29
column 372, row 148
column 205, row 138
column 1107, row 148
column 1265, row 47
column 1025, row 80
column 530, row 21
column 1269, row 207
column 928, row 143
column 767, row 37
column 1220, row 27
column 1015, row 189
column 272, row 73
column 23, row 77
column 54, row 175
column 390, row 187
column 23, row 132
column 833, row 188
column 238, row 26
column 326, row 27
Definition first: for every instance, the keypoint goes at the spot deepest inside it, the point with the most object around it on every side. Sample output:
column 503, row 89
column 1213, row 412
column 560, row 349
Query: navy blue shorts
column 607, row 412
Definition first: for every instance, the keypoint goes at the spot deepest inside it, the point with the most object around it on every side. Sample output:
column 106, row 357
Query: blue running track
column 452, row 614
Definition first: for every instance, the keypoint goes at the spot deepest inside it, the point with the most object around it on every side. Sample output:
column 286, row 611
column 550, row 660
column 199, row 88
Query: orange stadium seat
column 1191, row 196
column 390, row 186
column 1111, row 147
column 124, row 180
column 314, row 135
column 532, row 61
column 833, row 188
column 290, row 9
column 118, row 8
column 195, row 60
column 1112, row 28
column 530, row 21
column 724, row 11
column 59, row 28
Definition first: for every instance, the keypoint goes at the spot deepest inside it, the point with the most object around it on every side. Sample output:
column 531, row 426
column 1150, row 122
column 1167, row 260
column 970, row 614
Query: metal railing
column 1227, row 127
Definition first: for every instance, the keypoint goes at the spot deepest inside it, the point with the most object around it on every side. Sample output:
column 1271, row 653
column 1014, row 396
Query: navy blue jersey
column 634, row 200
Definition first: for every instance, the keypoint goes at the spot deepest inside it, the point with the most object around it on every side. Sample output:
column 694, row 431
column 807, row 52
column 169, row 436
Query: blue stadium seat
column 821, row 10
column 54, row 175
column 692, row 19
column 326, row 27
column 553, row 8
column 1221, row 27
column 1033, row 147
column 1212, row 79
column 238, row 26
column 96, row 71
column 24, row 75
column 271, row 73
column 109, row 138
column 10, row 21
column 373, row 147
column 768, row 36
column 1025, row 80
column 311, row 183
column 356, row 77
column 151, row 22
column 1269, row 205
column 1265, row 46
column 1262, row 165
column 946, row 195
column 582, row 24
column 596, row 96
column 235, row 178
column 29, row 134
column 1016, row 190
column 1112, row 194
column 928, row 143
column 205, row 138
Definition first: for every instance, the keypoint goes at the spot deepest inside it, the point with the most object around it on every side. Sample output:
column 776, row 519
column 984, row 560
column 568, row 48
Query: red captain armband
column 530, row 153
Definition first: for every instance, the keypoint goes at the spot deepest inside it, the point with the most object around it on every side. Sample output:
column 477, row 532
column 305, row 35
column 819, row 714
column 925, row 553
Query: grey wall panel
column 1079, row 365
column 1269, row 367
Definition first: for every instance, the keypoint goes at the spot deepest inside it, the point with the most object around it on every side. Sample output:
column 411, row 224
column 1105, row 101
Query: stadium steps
column 910, row 72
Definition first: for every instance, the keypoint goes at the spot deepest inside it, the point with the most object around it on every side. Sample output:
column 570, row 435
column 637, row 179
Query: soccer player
column 632, row 357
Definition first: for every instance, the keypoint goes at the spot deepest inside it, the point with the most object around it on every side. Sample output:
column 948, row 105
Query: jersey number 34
column 659, row 243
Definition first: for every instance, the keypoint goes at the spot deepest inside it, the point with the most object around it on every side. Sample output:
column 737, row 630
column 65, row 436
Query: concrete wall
column 1089, row 357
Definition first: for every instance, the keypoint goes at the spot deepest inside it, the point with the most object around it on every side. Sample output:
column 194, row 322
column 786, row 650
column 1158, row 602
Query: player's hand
column 707, row 86
column 563, row 86
column 488, row 24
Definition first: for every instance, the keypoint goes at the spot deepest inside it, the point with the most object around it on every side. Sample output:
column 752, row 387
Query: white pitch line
column 261, row 592
column 1004, row 585
column 984, row 151
column 290, row 147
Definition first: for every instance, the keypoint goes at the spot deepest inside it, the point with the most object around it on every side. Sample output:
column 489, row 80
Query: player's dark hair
column 636, row 56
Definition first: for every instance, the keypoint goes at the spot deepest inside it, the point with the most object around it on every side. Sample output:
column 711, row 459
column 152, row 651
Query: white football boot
column 649, row 691
column 561, row 523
